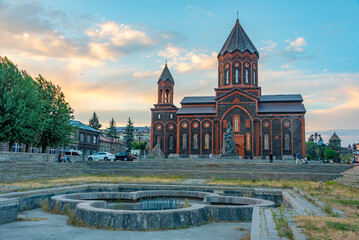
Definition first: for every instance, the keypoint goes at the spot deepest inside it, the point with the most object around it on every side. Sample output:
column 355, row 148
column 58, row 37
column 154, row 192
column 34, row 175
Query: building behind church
column 262, row 124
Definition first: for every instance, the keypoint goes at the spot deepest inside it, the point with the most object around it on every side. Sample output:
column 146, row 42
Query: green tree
column 112, row 129
column 311, row 149
column 20, row 105
column 139, row 146
column 330, row 154
column 57, row 128
column 128, row 135
column 346, row 157
column 94, row 122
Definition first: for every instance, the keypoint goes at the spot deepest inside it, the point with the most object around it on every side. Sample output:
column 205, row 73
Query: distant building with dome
column 262, row 123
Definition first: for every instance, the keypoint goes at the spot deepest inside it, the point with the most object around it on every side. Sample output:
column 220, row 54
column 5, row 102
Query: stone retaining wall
column 25, row 170
column 8, row 210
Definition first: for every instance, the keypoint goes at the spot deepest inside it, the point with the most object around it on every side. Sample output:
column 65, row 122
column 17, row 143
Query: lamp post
column 317, row 138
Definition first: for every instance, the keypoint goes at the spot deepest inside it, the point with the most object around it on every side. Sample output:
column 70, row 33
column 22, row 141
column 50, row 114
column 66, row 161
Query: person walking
column 297, row 160
column 271, row 157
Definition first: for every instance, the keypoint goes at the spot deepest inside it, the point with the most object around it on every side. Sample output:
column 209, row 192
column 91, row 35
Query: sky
column 108, row 55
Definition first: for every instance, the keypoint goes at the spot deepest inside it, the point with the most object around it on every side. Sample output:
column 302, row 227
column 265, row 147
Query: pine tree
column 129, row 135
column 111, row 132
column 94, row 122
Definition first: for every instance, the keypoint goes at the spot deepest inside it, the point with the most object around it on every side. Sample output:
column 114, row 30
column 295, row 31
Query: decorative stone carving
column 229, row 145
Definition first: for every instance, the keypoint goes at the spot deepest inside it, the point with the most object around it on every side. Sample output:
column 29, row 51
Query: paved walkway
column 55, row 227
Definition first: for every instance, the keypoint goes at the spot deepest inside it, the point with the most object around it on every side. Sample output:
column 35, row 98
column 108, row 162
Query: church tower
column 165, row 87
column 238, row 63
column 163, row 115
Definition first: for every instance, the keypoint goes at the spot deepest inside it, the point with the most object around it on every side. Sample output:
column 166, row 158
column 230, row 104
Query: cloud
column 171, row 52
column 193, row 61
column 296, row 45
column 287, row 66
column 330, row 104
column 268, row 46
column 147, row 74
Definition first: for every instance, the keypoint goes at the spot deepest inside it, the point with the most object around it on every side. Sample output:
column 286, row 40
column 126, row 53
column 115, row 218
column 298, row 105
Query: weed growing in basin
column 119, row 205
column 186, row 203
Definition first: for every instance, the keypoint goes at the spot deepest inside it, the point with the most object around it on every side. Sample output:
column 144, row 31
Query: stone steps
column 10, row 171
column 263, row 226
column 300, row 205
column 350, row 177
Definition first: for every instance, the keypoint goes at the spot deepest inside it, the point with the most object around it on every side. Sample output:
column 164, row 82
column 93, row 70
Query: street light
column 317, row 138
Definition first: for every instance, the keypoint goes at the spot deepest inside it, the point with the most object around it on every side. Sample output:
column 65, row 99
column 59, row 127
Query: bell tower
column 165, row 87
column 238, row 63
column 163, row 115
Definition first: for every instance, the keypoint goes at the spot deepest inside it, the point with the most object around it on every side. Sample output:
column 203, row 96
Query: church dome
column 238, row 40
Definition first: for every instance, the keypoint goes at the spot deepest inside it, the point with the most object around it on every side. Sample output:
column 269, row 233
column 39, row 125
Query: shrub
column 330, row 154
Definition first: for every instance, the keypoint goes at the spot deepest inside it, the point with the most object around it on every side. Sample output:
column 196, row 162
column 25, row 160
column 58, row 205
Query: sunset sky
column 107, row 55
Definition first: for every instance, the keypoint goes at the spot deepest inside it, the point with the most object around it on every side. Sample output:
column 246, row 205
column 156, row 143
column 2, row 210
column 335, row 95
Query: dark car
column 124, row 156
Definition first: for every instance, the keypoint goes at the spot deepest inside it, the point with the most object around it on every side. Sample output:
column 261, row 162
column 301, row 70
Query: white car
column 102, row 156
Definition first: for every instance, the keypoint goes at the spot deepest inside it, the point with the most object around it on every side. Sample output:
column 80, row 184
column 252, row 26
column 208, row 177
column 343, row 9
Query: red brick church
column 262, row 123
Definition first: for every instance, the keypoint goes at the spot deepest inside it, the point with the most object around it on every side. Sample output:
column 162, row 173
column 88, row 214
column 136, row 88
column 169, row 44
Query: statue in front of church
column 229, row 145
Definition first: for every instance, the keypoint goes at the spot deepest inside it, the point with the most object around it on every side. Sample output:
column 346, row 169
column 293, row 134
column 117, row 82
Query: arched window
column 266, row 142
column 236, row 80
column 159, row 141
column 248, row 141
column 247, row 76
column 81, row 137
column 171, row 115
column 167, row 96
column 160, row 97
column 236, row 124
column 254, row 77
column 184, row 141
column 206, row 141
column 227, row 77
column 159, row 116
column 286, row 142
column 171, row 143
column 195, row 141
column 220, row 78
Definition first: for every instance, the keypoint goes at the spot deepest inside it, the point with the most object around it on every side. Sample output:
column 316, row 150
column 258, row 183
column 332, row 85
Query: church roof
column 334, row 137
column 199, row 100
column 197, row 110
column 281, row 98
column 238, row 40
column 281, row 108
column 166, row 75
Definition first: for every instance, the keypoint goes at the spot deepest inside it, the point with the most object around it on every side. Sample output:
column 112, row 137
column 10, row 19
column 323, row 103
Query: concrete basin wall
column 91, row 209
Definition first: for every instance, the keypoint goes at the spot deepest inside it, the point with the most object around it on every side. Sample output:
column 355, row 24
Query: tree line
column 112, row 132
column 32, row 110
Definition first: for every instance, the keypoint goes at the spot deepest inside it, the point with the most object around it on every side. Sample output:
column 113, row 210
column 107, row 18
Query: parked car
column 124, row 156
column 101, row 156
column 73, row 153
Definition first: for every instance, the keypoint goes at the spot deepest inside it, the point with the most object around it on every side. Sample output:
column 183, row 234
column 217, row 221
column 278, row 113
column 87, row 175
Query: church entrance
column 239, row 139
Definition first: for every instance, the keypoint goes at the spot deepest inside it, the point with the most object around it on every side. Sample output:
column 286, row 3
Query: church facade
column 262, row 124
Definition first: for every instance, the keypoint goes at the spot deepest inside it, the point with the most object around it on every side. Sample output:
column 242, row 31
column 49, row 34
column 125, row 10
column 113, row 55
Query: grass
column 281, row 224
column 329, row 228
column 45, row 183
column 240, row 229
